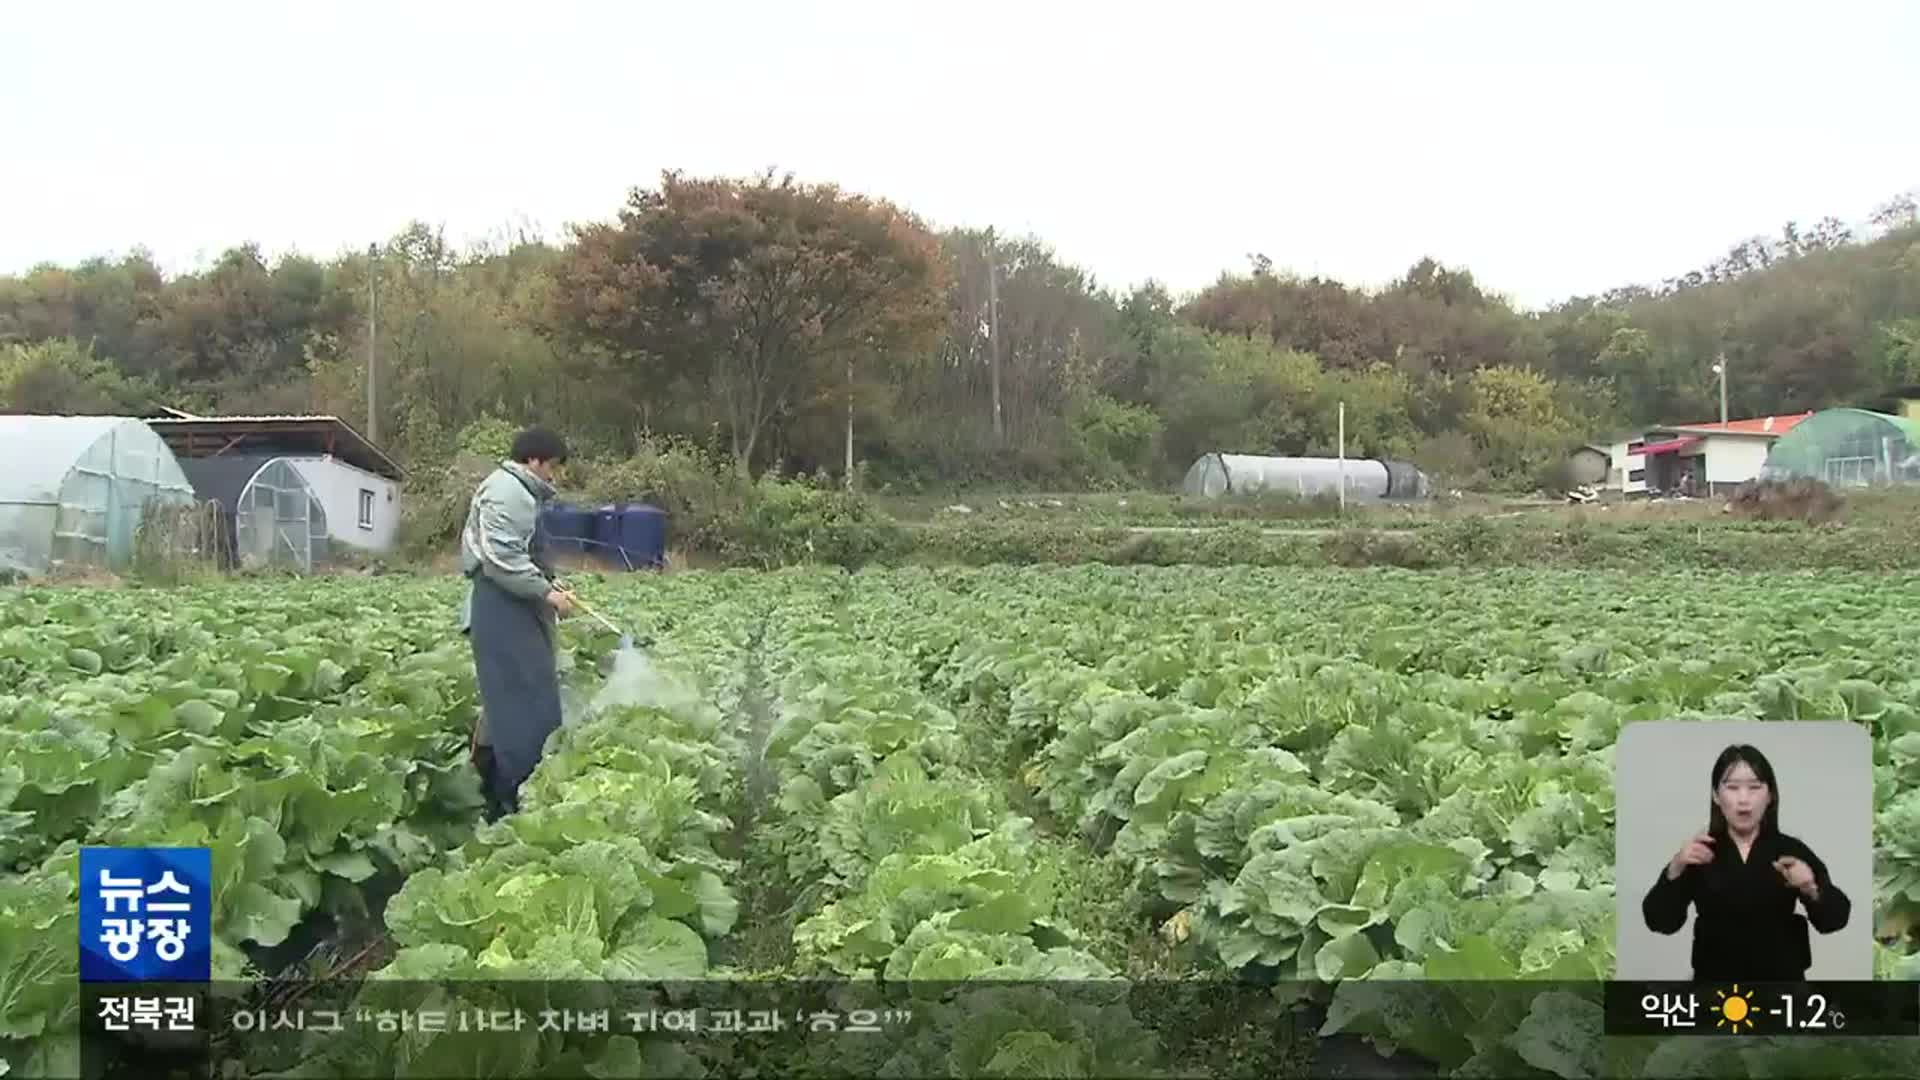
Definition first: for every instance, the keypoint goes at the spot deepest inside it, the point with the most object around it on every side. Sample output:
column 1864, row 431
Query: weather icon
column 1734, row 1009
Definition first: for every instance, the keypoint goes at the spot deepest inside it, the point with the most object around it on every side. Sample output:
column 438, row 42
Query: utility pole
column 849, row 421
column 1343, row 458
column 1720, row 369
column 373, row 327
column 993, row 332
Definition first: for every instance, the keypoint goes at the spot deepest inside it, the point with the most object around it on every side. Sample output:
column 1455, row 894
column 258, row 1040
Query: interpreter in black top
column 1744, row 878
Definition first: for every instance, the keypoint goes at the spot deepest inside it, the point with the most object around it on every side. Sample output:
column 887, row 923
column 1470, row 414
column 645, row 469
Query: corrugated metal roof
column 1769, row 426
column 328, row 434
column 283, row 418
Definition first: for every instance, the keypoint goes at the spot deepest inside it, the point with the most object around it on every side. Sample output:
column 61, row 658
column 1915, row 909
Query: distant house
column 354, row 485
column 1710, row 459
column 1614, row 464
column 1701, row 459
column 1589, row 465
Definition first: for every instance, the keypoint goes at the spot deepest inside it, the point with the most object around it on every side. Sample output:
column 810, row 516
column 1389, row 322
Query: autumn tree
column 747, row 290
column 454, row 346
column 61, row 375
column 1312, row 315
column 1514, row 417
column 1056, row 330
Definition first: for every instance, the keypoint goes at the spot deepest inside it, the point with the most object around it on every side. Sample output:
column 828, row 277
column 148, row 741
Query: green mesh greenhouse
column 1848, row 448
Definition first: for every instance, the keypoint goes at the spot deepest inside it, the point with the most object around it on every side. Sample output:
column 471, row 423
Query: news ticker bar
column 234, row 1013
column 202, row 1031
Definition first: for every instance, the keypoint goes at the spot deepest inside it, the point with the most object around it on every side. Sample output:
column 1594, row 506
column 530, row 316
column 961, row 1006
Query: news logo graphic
column 1743, row 854
column 146, row 960
column 146, row 915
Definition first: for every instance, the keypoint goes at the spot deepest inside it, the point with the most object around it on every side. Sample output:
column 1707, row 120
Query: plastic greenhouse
column 268, row 513
column 1215, row 475
column 1848, row 448
column 74, row 488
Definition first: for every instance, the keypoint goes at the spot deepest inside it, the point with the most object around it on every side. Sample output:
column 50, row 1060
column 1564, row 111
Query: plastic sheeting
column 1215, row 475
column 73, row 488
column 279, row 520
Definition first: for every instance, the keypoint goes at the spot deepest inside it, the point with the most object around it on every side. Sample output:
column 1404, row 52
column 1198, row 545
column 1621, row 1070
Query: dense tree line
column 781, row 324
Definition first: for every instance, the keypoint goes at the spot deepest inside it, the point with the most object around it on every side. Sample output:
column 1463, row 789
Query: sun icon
column 1735, row 1010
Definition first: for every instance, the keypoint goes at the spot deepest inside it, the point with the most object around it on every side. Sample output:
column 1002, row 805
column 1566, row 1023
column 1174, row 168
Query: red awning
column 1670, row 446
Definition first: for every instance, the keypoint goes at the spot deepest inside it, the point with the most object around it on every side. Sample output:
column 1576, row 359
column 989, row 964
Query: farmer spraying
column 512, row 606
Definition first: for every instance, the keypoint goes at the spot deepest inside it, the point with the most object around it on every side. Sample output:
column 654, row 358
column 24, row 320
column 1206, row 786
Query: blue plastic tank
column 568, row 527
column 630, row 536
column 643, row 535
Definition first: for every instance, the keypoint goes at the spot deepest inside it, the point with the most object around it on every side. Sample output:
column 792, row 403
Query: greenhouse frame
column 75, row 488
column 269, row 513
column 1848, row 448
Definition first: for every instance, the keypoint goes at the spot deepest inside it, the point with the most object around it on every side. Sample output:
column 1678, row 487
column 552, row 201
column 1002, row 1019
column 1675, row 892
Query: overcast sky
column 1554, row 148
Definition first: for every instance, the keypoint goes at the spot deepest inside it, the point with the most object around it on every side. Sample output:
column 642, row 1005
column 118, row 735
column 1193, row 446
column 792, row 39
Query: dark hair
column 1762, row 770
column 538, row 442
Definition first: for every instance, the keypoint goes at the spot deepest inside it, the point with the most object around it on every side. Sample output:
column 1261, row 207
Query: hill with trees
column 771, row 323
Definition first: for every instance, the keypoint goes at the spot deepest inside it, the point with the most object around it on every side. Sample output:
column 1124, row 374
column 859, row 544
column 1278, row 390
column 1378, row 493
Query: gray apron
column 514, row 665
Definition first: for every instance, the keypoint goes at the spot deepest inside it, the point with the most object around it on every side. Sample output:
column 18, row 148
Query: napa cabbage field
column 1298, row 792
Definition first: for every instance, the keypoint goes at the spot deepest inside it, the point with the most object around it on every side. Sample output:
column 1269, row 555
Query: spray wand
column 626, row 639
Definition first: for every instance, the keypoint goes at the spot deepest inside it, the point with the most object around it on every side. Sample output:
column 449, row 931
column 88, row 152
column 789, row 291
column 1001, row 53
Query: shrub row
column 1468, row 543
column 725, row 518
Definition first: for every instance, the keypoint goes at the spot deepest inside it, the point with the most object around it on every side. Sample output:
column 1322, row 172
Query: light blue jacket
column 498, row 537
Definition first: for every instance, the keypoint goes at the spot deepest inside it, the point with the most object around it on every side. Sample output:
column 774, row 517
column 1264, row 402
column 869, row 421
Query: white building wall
column 338, row 486
column 1733, row 460
column 1622, row 465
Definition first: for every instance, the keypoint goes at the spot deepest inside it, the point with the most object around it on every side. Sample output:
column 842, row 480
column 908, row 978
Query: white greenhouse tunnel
column 73, row 489
column 1215, row 475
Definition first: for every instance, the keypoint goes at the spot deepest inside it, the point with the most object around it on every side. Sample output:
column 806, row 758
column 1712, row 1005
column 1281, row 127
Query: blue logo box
column 146, row 914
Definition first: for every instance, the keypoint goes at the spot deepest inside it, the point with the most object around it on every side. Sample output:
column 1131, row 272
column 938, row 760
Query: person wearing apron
column 509, row 616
